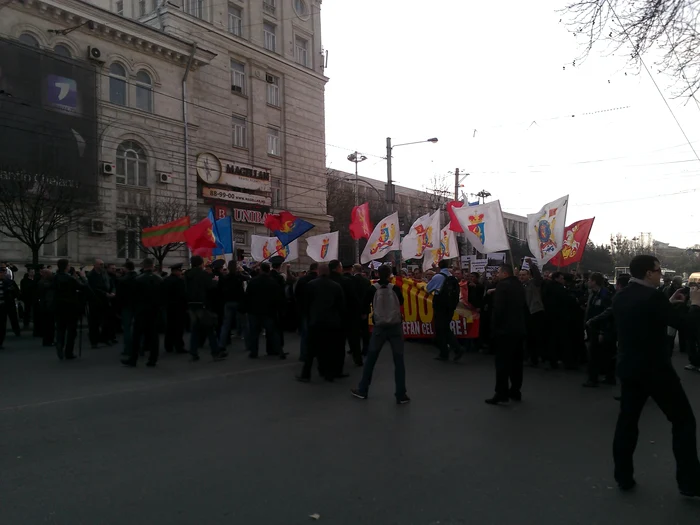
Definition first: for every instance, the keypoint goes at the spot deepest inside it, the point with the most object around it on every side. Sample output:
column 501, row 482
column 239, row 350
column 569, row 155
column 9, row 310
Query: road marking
column 147, row 387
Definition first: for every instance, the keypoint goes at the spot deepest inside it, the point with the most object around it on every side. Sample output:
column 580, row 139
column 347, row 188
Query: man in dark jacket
column 264, row 299
column 232, row 288
column 302, row 299
column 147, row 305
column 8, row 293
column 326, row 317
column 600, row 349
column 69, row 298
column 28, row 288
column 508, row 328
column 351, row 325
column 99, row 285
column 45, row 307
column 174, row 293
column 561, row 309
column 641, row 314
column 126, row 302
column 200, row 302
column 362, row 285
column 276, row 274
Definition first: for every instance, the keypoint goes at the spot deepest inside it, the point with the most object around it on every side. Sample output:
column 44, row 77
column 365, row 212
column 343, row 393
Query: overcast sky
column 412, row 70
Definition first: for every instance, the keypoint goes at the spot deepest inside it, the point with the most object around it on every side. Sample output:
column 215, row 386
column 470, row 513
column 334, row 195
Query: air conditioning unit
column 165, row 178
column 236, row 89
column 95, row 55
column 97, row 226
column 108, row 168
column 269, row 79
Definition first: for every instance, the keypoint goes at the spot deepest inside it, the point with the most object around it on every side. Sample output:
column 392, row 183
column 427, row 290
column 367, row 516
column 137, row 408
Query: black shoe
column 194, row 358
column 359, row 363
column 403, row 400
column 70, row 357
column 302, row 379
column 590, row 384
column 151, row 364
column 59, row 353
column 359, row 395
column 251, row 356
column 617, row 398
column 342, row 376
column 329, row 379
column 625, row 486
column 458, row 356
column 496, row 400
column 181, row 351
column 441, row 358
column 129, row 363
column 93, row 347
column 690, row 492
column 220, row 356
column 283, row 356
column 516, row 396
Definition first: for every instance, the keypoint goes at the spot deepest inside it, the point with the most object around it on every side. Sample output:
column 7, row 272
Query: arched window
column 29, row 40
column 132, row 164
column 62, row 50
column 117, row 84
column 144, row 91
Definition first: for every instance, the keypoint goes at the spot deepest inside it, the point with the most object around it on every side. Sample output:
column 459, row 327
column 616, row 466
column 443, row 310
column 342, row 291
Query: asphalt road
column 240, row 442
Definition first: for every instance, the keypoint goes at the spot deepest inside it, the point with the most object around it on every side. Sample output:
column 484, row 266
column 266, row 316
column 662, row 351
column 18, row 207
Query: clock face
column 208, row 168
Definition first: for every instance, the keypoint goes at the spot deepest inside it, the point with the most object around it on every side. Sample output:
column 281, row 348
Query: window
column 29, row 40
column 301, row 53
column 269, row 6
column 119, row 7
column 194, row 8
column 237, row 77
column 128, row 236
column 144, row 92
column 276, row 194
column 235, row 20
column 273, row 142
column 142, row 7
column 62, row 50
column 56, row 244
column 273, row 90
column 270, row 37
column 132, row 164
column 117, row 84
column 301, row 8
column 239, row 132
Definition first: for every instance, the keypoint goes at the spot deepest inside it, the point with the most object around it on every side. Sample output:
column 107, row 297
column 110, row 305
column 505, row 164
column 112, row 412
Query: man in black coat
column 201, row 289
column 174, row 293
column 641, row 314
column 28, row 288
column 276, row 273
column 147, row 305
column 264, row 299
column 326, row 311
column 99, row 283
column 600, row 344
column 9, row 291
column 508, row 329
column 302, row 299
column 351, row 323
column 126, row 303
column 362, row 284
column 45, row 307
column 70, row 293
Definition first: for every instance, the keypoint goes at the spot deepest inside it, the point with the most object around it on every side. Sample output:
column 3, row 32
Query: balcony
column 269, row 7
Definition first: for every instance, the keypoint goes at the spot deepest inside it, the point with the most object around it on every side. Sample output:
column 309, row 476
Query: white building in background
column 217, row 104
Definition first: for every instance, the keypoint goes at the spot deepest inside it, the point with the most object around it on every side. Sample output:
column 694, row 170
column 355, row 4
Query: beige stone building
column 205, row 102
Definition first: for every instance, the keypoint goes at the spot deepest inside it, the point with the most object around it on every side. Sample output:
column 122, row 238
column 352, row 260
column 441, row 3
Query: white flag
column 545, row 230
column 484, row 227
column 384, row 239
column 263, row 248
column 448, row 249
column 423, row 236
column 323, row 248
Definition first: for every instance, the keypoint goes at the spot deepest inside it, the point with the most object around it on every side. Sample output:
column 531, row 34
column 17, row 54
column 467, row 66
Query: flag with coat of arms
column 423, row 236
column 323, row 248
column 384, row 239
column 447, row 249
column 483, row 226
column 264, row 248
column 545, row 230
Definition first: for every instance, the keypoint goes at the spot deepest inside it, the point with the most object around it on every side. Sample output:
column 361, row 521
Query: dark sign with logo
column 48, row 119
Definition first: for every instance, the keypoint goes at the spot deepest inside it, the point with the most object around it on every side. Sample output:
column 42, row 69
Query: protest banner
column 418, row 313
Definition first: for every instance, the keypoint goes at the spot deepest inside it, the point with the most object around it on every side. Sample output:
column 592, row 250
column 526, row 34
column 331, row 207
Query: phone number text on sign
column 235, row 196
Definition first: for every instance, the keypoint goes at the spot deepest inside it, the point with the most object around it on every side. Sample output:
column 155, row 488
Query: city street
column 240, row 442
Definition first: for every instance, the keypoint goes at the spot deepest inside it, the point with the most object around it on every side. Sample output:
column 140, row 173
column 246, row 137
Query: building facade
column 200, row 104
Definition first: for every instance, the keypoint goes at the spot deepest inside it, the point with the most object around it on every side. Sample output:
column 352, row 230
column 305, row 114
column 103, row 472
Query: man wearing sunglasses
column 8, row 294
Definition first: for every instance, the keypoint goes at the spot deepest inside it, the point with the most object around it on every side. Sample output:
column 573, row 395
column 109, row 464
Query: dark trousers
column 12, row 316
column 536, row 342
column 48, row 327
column 364, row 333
column 444, row 337
column 693, row 348
column 96, row 316
column 670, row 397
column 28, row 310
column 175, row 330
column 353, row 337
column 380, row 335
column 66, row 329
column 256, row 324
column 601, row 359
column 128, row 330
column 509, row 364
column 3, row 323
column 323, row 343
column 146, row 334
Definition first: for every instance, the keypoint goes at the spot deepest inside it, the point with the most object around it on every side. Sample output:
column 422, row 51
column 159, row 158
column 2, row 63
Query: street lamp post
column 389, row 183
column 356, row 158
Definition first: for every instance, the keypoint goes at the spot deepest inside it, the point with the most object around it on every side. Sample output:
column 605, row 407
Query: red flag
column 200, row 236
column 575, row 239
column 360, row 225
column 454, row 223
column 281, row 221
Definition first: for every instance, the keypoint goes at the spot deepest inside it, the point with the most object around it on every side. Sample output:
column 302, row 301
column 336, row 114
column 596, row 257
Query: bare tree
column 160, row 210
column 439, row 191
column 668, row 25
column 39, row 210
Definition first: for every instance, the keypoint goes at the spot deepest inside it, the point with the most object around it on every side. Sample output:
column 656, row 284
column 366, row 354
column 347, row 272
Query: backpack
column 447, row 298
column 386, row 309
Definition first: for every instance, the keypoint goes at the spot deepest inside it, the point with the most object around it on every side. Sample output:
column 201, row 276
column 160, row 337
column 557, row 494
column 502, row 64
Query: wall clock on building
column 208, row 168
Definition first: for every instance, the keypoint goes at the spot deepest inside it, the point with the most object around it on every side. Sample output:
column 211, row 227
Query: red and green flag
column 163, row 234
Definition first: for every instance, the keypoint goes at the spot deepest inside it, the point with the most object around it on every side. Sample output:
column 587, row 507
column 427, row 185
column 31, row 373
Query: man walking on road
column 386, row 300
column 641, row 314
column 508, row 326
column 445, row 289
column 147, row 291
column 68, row 299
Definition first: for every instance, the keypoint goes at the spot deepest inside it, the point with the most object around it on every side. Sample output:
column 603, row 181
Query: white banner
column 323, row 248
column 483, row 226
column 384, row 239
column 423, row 236
column 545, row 230
column 263, row 248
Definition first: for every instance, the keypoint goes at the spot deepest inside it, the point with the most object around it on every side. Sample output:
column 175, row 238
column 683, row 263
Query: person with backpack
column 445, row 289
column 386, row 300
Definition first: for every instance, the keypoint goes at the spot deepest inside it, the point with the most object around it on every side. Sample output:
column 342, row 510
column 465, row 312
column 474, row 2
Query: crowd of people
column 529, row 317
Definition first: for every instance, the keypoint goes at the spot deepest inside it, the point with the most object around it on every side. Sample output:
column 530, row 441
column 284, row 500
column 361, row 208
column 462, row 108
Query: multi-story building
column 200, row 103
